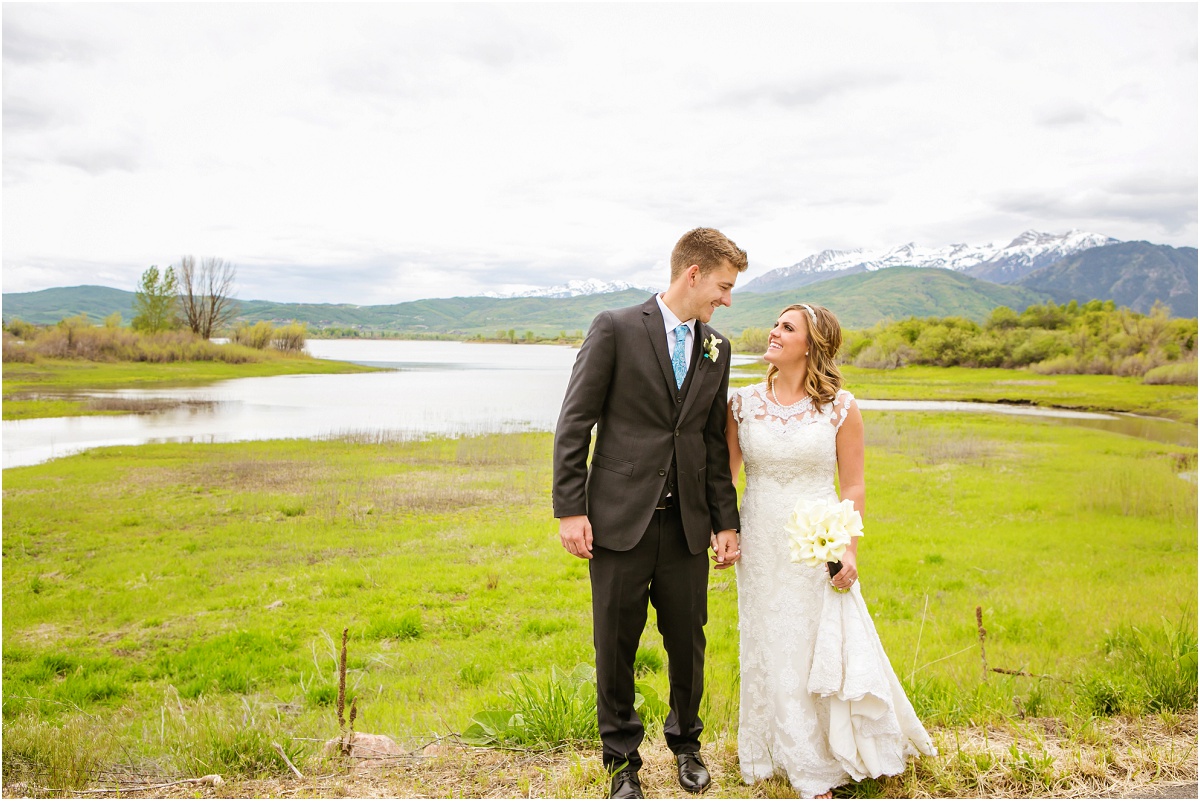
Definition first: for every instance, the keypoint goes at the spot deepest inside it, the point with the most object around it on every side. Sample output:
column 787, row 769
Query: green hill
column 863, row 299
column 859, row 301
column 51, row 305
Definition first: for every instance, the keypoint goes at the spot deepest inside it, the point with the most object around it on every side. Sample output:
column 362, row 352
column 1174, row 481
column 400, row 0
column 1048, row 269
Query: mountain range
column 863, row 287
column 860, row 301
column 997, row 262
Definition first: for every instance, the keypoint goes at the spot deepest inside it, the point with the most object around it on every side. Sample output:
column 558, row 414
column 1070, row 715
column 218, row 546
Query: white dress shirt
column 671, row 322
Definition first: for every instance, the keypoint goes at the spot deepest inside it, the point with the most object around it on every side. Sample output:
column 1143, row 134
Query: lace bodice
column 789, row 445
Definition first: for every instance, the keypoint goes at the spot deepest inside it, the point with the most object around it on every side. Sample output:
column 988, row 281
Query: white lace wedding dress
column 819, row 699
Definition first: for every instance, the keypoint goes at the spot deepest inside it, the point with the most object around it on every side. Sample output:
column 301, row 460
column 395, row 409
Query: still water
column 428, row 388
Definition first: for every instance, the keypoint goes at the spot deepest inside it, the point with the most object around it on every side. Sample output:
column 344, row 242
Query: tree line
column 176, row 314
column 1089, row 338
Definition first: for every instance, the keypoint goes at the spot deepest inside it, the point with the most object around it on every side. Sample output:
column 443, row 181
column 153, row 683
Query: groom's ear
column 692, row 274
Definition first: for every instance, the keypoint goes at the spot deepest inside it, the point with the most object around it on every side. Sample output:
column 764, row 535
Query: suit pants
column 661, row 570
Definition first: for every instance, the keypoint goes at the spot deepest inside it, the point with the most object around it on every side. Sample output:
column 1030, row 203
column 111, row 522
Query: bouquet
column 819, row 532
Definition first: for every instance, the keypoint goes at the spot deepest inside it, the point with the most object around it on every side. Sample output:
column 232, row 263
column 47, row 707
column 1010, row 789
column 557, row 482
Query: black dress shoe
column 626, row 784
column 693, row 776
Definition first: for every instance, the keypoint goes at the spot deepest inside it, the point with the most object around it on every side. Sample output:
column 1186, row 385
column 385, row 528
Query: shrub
column 290, row 338
column 15, row 350
column 888, row 351
column 257, row 336
column 1179, row 373
column 21, row 329
column 75, row 338
column 1137, row 364
column 752, row 340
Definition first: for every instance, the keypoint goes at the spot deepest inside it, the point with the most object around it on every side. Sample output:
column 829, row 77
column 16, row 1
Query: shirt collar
column 670, row 320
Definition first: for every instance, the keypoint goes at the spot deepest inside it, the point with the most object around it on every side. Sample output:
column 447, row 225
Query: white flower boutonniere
column 710, row 348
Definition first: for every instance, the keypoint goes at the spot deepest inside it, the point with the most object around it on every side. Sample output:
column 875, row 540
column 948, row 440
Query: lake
column 429, row 388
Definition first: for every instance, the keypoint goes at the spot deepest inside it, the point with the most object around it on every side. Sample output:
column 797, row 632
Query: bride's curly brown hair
column 822, row 380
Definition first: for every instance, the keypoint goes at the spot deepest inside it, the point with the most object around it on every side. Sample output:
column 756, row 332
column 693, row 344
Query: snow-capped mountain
column 1032, row 251
column 994, row 261
column 573, row 289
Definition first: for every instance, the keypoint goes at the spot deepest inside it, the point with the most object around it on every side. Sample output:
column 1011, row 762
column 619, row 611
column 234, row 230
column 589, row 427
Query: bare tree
column 206, row 294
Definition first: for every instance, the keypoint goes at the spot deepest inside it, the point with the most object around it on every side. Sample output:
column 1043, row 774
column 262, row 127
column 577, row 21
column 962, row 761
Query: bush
column 75, row 338
column 1178, row 373
column 16, row 350
column 752, row 340
column 257, row 336
column 1137, row 365
column 888, row 351
column 21, row 329
column 290, row 338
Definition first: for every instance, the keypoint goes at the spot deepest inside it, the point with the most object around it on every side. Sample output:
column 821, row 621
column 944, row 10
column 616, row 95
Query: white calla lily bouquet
column 819, row 531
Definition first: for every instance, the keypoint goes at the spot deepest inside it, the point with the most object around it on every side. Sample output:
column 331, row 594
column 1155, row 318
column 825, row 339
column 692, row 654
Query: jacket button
column 662, row 472
column 677, row 432
column 679, row 399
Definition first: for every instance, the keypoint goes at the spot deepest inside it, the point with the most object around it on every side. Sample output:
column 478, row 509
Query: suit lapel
column 656, row 330
column 701, row 365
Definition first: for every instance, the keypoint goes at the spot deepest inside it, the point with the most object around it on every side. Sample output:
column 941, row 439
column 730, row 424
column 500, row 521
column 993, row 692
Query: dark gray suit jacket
column 623, row 383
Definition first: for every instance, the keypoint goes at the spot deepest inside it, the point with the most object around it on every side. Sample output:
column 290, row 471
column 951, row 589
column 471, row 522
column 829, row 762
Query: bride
column 819, row 700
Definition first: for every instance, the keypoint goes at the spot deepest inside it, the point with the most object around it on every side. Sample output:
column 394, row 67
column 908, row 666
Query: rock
column 367, row 746
column 274, row 605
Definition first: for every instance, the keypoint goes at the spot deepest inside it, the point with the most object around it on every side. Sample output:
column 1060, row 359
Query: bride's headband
column 811, row 314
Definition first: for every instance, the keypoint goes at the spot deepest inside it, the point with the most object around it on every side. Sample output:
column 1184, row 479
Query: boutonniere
column 710, row 348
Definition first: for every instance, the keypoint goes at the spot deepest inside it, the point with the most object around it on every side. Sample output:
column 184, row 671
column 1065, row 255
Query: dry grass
column 1042, row 758
column 142, row 405
column 484, row 471
column 928, row 445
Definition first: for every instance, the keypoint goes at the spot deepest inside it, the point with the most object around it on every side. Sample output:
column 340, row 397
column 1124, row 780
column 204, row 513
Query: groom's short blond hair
column 709, row 249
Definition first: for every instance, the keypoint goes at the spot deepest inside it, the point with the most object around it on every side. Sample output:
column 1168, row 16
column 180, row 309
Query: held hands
column 726, row 550
column 849, row 572
column 576, row 535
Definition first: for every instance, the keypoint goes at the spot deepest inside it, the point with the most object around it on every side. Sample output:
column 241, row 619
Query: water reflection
column 445, row 388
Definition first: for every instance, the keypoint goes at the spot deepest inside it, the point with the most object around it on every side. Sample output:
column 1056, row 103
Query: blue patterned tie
column 678, row 363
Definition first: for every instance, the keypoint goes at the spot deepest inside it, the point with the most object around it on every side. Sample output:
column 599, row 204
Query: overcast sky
column 378, row 153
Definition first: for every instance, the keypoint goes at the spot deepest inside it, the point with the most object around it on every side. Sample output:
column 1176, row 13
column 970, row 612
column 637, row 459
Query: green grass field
column 141, row 588
column 995, row 385
column 48, row 387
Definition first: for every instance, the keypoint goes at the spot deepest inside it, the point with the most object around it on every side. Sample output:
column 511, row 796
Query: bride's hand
column 726, row 549
column 849, row 572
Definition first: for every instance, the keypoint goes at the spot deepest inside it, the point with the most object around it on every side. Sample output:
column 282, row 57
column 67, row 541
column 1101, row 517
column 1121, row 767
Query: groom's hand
column 576, row 535
column 726, row 550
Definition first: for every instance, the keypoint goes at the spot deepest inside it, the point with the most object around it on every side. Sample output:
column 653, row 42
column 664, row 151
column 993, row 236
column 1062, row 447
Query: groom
column 653, row 379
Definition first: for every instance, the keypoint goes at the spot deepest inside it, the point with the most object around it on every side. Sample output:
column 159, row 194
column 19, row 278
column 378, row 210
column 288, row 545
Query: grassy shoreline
column 51, row 387
column 1093, row 393
column 142, row 629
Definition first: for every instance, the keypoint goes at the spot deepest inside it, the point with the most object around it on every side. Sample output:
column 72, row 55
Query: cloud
column 1167, row 203
column 23, row 45
column 1071, row 114
column 805, row 92
column 26, row 115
